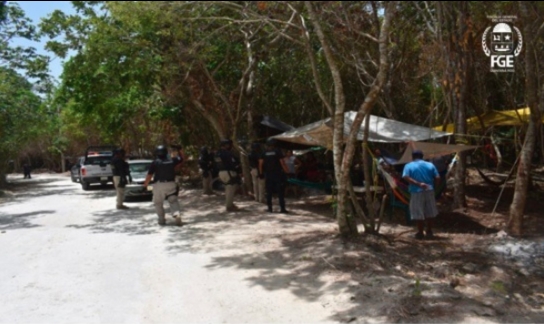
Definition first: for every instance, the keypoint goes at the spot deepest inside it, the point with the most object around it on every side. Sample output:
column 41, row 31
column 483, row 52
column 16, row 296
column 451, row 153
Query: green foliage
column 19, row 113
column 14, row 24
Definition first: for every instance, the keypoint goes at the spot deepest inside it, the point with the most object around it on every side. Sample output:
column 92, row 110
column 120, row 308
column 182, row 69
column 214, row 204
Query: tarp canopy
column 267, row 126
column 515, row 117
column 432, row 150
column 382, row 130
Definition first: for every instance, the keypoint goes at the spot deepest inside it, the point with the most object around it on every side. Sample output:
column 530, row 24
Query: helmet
column 119, row 150
column 161, row 151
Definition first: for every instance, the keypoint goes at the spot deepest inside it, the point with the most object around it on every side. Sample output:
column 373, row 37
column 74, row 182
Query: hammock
column 400, row 189
column 323, row 186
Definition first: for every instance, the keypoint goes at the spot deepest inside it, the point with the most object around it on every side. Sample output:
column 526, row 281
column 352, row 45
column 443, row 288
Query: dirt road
column 69, row 256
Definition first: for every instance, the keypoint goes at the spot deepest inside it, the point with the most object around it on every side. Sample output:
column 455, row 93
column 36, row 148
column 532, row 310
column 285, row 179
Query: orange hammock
column 400, row 189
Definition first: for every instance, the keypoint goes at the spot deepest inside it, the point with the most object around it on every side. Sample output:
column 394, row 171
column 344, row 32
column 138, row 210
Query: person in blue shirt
column 422, row 176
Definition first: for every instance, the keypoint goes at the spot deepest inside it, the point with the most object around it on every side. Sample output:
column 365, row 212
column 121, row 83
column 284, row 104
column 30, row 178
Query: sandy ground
column 69, row 256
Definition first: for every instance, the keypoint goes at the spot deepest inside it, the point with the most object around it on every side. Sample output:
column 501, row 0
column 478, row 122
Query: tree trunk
column 455, row 32
column 517, row 208
column 346, row 224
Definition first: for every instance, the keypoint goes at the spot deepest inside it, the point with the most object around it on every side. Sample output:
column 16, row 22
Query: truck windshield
column 98, row 160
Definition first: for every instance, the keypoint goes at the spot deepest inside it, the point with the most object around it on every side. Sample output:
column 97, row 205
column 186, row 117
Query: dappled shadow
column 39, row 192
column 97, row 193
column 20, row 221
column 460, row 223
column 207, row 223
column 14, row 183
column 397, row 279
column 132, row 221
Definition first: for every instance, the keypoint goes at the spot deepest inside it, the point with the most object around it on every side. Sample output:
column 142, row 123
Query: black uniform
column 163, row 170
column 26, row 171
column 205, row 162
column 254, row 157
column 274, row 175
column 226, row 161
column 119, row 167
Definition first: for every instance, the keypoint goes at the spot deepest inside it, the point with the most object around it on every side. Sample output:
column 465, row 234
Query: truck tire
column 85, row 185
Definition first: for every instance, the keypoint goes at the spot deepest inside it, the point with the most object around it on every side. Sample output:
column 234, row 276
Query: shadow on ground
column 20, row 221
column 393, row 278
column 135, row 221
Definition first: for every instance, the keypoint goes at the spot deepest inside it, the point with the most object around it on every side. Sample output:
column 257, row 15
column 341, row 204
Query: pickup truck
column 96, row 166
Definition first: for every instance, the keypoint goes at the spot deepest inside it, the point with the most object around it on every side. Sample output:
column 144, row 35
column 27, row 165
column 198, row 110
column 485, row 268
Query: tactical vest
column 164, row 170
column 219, row 165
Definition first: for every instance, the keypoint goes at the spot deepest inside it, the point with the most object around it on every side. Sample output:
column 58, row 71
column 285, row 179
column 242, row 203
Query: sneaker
column 284, row 212
column 429, row 235
column 122, row 207
column 419, row 236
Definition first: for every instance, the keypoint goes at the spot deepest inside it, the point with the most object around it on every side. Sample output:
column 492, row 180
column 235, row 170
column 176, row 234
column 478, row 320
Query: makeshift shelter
column 515, row 117
column 267, row 126
column 432, row 150
column 382, row 130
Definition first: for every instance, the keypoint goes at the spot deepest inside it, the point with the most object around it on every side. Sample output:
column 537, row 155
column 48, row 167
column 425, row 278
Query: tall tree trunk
column 517, row 208
column 455, row 35
column 347, row 225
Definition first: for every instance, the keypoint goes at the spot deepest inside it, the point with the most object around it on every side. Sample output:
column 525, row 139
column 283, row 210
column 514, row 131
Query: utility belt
column 233, row 180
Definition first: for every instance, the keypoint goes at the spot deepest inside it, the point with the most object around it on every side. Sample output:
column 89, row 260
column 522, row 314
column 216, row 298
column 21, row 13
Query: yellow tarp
column 516, row 117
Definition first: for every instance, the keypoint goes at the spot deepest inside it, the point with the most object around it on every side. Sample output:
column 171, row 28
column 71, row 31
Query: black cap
column 417, row 153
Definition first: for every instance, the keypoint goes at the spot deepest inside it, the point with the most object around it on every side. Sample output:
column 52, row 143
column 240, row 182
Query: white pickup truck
column 96, row 166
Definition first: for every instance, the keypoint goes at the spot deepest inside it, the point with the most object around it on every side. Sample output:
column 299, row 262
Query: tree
column 19, row 105
column 531, row 14
column 19, row 116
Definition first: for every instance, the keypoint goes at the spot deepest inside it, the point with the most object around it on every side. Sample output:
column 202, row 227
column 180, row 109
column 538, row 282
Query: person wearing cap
column 121, row 171
column 257, row 178
column 228, row 166
column 274, row 169
column 422, row 176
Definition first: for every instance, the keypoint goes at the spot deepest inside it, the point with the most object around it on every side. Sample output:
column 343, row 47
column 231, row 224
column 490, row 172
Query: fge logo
column 505, row 45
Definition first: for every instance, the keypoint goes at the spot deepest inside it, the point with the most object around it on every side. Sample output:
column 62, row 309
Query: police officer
column 228, row 166
column 26, row 171
column 272, row 165
column 163, row 170
column 258, row 179
column 121, row 171
column 205, row 162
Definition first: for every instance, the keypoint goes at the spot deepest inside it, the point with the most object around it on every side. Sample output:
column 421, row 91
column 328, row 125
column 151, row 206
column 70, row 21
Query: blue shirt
column 420, row 171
